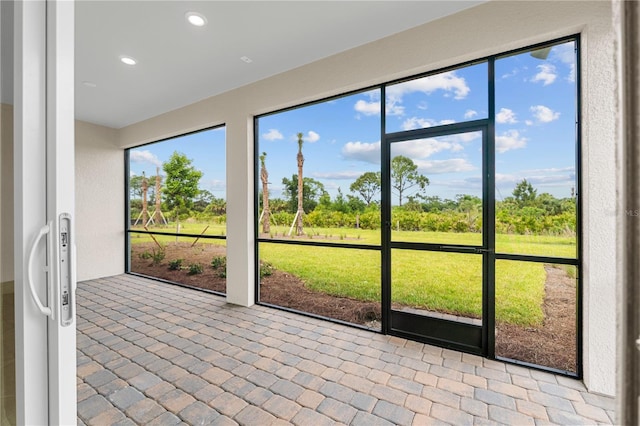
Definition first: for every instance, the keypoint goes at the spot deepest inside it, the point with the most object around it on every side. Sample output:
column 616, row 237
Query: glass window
column 536, row 184
column 177, row 210
column 436, row 189
column 332, row 282
column 536, row 305
column 335, row 146
column 445, row 98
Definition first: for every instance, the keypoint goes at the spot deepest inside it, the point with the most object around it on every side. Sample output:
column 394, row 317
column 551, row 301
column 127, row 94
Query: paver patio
column 152, row 353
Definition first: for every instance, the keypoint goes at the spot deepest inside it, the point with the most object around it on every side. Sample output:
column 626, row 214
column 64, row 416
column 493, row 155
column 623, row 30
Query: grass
column 443, row 282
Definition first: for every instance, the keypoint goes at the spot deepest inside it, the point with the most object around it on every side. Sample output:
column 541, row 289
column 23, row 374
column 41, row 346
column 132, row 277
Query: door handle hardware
column 484, row 250
column 469, row 249
column 66, row 250
column 45, row 310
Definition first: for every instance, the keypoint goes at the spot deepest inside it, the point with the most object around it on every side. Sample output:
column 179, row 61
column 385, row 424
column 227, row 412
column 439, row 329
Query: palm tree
column 145, row 188
column 300, row 186
column 264, row 177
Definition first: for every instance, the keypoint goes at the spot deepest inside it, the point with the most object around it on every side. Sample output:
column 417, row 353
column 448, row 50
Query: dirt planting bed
column 553, row 344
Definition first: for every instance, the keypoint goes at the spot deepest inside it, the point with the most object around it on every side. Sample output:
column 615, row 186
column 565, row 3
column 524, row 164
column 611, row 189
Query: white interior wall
column 99, row 202
column 490, row 28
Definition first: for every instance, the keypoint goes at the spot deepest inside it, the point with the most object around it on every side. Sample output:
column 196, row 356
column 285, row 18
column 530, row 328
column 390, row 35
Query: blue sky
column 535, row 132
column 206, row 149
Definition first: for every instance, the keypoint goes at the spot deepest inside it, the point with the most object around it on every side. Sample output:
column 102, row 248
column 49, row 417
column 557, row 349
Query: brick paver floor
column 151, row 353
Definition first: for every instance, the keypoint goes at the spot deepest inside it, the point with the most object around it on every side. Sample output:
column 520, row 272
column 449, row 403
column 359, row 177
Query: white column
column 240, row 220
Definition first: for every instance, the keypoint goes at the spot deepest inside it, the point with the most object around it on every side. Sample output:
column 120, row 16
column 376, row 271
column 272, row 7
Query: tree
column 367, row 186
column 471, row 206
column 405, row 176
column 135, row 187
column 264, row 177
column 180, row 184
column 340, row 204
column 202, row 200
column 300, row 159
column 524, row 193
column 312, row 191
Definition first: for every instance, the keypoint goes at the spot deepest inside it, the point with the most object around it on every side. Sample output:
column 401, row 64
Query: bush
column 175, row 265
column 266, row 269
column 157, row 256
column 219, row 262
column 195, row 268
column 145, row 255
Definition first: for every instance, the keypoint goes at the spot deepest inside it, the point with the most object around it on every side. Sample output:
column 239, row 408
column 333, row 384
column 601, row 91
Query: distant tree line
column 523, row 212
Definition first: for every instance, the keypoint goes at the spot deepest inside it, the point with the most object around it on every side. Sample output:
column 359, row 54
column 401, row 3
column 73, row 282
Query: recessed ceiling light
column 128, row 60
column 196, row 19
column 246, row 59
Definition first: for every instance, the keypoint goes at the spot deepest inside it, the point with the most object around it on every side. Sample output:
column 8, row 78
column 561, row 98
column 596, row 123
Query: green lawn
column 444, row 282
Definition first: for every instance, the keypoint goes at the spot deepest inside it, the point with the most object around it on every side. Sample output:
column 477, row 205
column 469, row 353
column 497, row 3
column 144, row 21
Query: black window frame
column 490, row 122
column 127, row 212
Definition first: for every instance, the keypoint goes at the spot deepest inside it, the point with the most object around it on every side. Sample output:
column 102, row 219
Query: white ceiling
column 179, row 64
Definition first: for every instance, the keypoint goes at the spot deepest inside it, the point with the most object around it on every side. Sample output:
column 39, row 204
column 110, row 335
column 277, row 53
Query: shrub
column 145, row 255
column 195, row 268
column 175, row 264
column 157, row 256
column 219, row 262
column 266, row 269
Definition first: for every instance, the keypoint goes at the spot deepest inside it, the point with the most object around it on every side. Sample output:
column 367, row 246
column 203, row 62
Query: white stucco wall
column 99, row 202
column 600, row 195
column 490, row 28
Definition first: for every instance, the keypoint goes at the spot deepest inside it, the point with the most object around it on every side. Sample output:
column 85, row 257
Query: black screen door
column 437, row 265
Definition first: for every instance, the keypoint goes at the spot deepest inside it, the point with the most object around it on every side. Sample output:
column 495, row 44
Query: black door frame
column 450, row 334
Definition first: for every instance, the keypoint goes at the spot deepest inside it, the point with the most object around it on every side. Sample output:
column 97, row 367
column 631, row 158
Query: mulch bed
column 553, row 344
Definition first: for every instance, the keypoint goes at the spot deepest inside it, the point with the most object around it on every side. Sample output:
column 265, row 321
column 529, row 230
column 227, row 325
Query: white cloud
column 215, row 185
column 544, row 114
column 422, row 123
column 453, row 165
column 513, row 73
column 547, row 74
column 547, row 179
column 272, row 135
column 392, row 107
column 461, row 138
column 348, row 174
column 510, row 140
column 572, row 73
column 312, row 136
column 367, row 108
column 362, row 151
column 424, row 148
column 506, row 116
column 416, row 123
column 551, row 170
column 145, row 156
column 565, row 53
column 528, row 122
column 447, row 81
column 470, row 113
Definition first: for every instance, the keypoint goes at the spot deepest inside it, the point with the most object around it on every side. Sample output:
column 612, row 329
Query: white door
column 44, row 212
